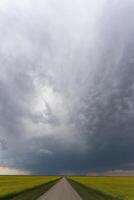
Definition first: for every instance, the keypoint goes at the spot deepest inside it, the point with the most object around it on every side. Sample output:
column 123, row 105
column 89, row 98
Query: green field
column 89, row 188
column 116, row 187
column 12, row 186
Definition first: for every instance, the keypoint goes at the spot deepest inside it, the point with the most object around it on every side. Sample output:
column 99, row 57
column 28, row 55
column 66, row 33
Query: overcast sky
column 66, row 86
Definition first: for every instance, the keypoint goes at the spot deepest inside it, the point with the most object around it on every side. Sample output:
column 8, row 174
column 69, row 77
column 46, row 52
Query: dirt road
column 61, row 191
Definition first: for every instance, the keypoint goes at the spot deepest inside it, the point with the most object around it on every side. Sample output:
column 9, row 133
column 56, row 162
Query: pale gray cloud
column 66, row 85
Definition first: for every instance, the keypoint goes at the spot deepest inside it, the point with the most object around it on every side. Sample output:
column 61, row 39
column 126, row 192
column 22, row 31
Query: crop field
column 11, row 186
column 116, row 187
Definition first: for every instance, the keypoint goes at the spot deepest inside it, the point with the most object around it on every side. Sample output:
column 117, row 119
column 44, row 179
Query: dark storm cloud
column 67, row 86
column 112, row 138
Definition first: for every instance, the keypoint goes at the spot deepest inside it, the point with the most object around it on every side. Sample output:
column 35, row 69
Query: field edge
column 86, row 192
column 33, row 193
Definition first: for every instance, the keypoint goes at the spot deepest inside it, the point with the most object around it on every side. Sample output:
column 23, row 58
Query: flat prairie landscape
column 88, row 188
column 25, row 187
column 99, row 188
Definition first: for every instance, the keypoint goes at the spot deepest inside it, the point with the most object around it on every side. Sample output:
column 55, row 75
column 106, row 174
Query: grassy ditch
column 34, row 193
column 87, row 193
column 25, row 187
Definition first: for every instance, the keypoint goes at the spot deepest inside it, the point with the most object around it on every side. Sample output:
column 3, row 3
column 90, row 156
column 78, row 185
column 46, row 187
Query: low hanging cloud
column 10, row 171
column 67, row 86
column 118, row 172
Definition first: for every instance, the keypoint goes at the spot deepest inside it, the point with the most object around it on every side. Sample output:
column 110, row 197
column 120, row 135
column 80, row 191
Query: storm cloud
column 67, row 86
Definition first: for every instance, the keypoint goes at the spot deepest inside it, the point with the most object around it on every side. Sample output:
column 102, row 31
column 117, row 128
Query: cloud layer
column 10, row 171
column 67, row 85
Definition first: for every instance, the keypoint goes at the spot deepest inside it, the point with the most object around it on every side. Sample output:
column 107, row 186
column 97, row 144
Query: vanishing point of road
column 61, row 190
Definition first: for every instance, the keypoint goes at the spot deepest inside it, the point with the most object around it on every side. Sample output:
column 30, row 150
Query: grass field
column 11, row 186
column 116, row 187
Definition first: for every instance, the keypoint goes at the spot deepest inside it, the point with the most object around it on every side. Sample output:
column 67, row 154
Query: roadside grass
column 14, row 186
column 117, row 187
column 35, row 193
column 87, row 193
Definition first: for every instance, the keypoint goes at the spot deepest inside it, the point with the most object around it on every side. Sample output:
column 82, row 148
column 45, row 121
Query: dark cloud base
column 67, row 87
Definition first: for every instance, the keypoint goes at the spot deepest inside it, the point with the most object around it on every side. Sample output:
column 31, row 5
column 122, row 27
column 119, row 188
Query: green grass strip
column 88, row 193
column 30, row 194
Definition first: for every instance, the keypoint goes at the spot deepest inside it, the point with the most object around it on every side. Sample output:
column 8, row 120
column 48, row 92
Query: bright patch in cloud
column 12, row 171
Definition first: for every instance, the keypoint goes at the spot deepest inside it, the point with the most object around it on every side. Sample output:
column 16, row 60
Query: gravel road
column 61, row 191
